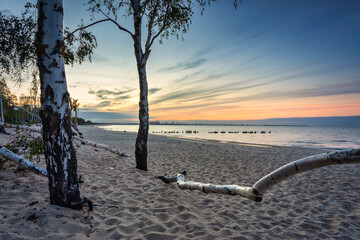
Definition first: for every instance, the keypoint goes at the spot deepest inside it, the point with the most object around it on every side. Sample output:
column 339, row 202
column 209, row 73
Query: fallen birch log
column 80, row 139
column 22, row 127
column 260, row 187
column 4, row 152
column 98, row 145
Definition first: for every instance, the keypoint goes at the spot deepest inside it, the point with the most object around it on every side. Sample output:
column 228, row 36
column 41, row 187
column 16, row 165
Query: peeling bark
column 6, row 153
column 260, row 187
column 59, row 152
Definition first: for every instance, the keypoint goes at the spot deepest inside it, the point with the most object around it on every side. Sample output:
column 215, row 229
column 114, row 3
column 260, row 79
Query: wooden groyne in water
column 215, row 132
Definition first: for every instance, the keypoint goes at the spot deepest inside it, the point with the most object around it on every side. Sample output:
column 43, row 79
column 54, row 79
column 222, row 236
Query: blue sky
column 267, row 59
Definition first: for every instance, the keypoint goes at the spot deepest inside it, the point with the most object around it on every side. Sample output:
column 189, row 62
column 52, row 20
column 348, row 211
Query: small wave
column 340, row 141
column 305, row 142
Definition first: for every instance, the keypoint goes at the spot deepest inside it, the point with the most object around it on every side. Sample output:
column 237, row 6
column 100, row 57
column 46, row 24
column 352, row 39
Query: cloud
column 122, row 97
column 184, row 65
column 105, row 94
column 96, row 116
column 154, row 90
column 80, row 84
column 103, row 104
column 100, row 58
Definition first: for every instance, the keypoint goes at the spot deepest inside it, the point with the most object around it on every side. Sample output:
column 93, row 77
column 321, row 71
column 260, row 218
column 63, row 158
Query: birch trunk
column 4, row 152
column 98, row 145
column 59, row 152
column 306, row 164
column 2, row 130
column 141, row 59
column 1, row 109
column 258, row 189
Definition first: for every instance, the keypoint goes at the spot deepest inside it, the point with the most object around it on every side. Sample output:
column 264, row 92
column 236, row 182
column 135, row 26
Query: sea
column 333, row 138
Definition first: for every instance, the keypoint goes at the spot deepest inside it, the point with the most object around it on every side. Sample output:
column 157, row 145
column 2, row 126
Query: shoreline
column 215, row 141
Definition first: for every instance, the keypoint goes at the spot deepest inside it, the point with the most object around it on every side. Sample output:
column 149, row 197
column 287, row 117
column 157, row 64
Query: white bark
column 258, row 189
column 32, row 129
column 4, row 152
column 306, row 164
column 98, row 145
column 81, row 140
column 246, row 192
column 1, row 109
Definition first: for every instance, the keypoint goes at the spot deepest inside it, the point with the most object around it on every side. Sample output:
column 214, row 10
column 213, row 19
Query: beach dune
column 132, row 204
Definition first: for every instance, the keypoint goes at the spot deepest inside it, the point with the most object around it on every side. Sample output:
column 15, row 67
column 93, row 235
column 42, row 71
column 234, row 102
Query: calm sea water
column 314, row 137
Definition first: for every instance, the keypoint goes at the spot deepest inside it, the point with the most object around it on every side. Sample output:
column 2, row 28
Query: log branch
column 260, row 187
column 4, row 152
column 98, row 145
column 80, row 139
column 306, row 164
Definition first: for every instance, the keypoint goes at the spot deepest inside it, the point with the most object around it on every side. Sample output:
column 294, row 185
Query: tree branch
column 151, row 23
column 147, row 49
column 80, row 139
column 116, row 23
column 6, row 153
column 84, row 27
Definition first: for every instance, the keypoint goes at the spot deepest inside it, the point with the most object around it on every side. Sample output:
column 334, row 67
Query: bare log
column 258, row 189
column 81, row 140
column 4, row 152
column 306, row 164
column 23, row 127
column 98, row 145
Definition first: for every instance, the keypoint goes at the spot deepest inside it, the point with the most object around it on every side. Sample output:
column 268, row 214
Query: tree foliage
column 18, row 45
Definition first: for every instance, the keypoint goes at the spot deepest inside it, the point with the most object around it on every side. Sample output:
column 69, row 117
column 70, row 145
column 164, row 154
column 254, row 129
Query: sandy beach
column 132, row 204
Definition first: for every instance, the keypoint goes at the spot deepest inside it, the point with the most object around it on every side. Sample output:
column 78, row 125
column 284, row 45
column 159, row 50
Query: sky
column 266, row 59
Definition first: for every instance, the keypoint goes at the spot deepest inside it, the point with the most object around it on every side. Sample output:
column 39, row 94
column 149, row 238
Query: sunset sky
column 267, row 59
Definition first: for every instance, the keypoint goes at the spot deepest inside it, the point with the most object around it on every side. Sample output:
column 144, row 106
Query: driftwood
column 98, row 145
column 81, row 140
column 4, row 152
column 260, row 187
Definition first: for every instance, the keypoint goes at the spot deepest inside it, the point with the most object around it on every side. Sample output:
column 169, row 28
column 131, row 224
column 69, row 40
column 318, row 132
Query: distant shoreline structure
column 340, row 121
column 208, row 124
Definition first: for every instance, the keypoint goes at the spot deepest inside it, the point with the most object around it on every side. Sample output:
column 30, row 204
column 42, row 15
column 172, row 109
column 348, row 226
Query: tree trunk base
column 2, row 130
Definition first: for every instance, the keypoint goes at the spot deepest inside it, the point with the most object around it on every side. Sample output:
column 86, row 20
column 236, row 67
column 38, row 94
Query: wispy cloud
column 100, row 58
column 100, row 116
column 184, row 65
column 154, row 90
column 105, row 94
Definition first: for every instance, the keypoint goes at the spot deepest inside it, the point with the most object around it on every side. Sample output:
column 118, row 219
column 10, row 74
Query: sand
column 132, row 204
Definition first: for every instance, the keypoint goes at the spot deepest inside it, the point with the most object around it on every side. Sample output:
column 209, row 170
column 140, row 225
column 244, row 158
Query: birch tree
column 161, row 18
column 37, row 48
column 59, row 152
